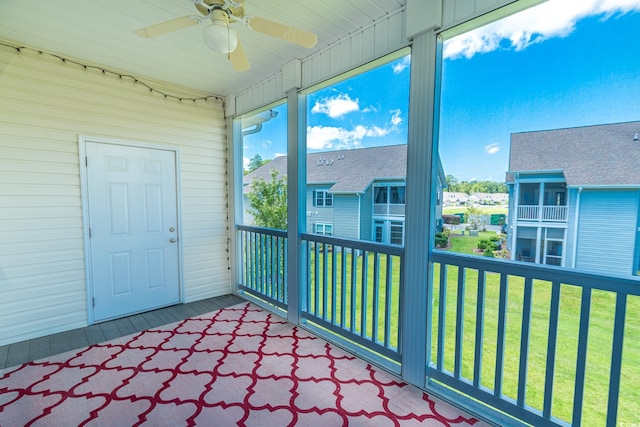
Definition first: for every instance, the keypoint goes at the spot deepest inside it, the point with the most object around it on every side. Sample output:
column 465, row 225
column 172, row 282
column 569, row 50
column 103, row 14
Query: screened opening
column 536, row 130
column 264, row 180
column 356, row 141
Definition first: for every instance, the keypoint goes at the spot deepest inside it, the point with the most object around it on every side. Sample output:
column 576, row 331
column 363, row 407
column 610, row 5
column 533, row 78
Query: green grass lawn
column 600, row 332
column 487, row 209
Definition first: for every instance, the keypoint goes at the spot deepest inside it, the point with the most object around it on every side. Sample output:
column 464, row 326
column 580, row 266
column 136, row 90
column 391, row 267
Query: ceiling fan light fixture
column 219, row 37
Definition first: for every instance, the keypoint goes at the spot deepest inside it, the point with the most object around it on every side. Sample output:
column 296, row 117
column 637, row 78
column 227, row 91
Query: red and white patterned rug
column 237, row 366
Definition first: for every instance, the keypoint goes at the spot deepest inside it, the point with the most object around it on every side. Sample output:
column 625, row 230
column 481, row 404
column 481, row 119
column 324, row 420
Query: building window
column 397, row 233
column 380, row 195
column 396, row 195
column 324, row 229
column 386, row 231
column 388, row 200
column 322, row 198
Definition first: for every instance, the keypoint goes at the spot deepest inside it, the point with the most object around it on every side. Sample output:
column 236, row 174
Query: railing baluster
column 551, row 349
column 273, row 267
column 581, row 362
column 309, row 249
column 343, row 288
column 502, row 328
column 388, row 302
column 334, row 278
column 376, row 297
column 252, row 247
column 269, row 264
column 442, row 315
column 278, row 276
column 245, row 260
column 477, row 368
column 285, row 269
column 524, row 341
column 616, row 359
column 457, row 368
column 352, row 325
column 316, row 279
column 325, row 279
column 363, row 308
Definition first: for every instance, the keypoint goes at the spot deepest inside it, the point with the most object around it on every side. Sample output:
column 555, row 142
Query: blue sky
column 564, row 63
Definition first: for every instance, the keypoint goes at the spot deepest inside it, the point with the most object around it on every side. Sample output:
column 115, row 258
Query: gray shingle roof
column 602, row 155
column 349, row 171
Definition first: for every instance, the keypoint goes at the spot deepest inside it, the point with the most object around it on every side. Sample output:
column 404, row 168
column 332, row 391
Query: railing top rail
column 611, row 283
column 262, row 230
column 355, row 244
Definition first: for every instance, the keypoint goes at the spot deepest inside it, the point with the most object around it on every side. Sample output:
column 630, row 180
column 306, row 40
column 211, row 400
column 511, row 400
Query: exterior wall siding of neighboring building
column 606, row 235
column 366, row 214
column 572, row 218
column 318, row 214
column 346, row 216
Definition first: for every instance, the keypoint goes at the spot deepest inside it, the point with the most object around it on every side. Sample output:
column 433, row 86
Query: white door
column 133, row 221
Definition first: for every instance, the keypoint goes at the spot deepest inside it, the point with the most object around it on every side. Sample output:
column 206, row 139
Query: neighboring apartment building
column 574, row 197
column 355, row 194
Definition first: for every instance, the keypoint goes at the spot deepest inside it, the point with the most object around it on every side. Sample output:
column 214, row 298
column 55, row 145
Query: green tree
column 452, row 183
column 268, row 202
column 255, row 162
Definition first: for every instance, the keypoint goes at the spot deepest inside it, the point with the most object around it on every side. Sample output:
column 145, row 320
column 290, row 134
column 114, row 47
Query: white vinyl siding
column 607, row 231
column 44, row 106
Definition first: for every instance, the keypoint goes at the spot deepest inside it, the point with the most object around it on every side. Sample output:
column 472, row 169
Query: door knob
column 172, row 240
column 172, row 229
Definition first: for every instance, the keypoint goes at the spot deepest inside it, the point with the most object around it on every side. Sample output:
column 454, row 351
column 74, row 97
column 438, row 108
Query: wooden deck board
column 39, row 348
column 26, row 351
column 60, row 343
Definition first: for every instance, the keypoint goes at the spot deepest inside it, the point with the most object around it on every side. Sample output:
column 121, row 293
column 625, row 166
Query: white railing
column 544, row 345
column 388, row 209
column 554, row 213
column 542, row 213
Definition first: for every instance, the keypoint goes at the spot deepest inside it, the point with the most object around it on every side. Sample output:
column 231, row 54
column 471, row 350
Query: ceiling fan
column 219, row 37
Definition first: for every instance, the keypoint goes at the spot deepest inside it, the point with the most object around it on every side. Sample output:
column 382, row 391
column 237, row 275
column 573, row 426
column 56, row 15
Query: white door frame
column 84, row 196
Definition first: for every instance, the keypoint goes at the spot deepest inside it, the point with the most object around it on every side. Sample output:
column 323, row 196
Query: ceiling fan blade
column 284, row 32
column 239, row 59
column 167, row 27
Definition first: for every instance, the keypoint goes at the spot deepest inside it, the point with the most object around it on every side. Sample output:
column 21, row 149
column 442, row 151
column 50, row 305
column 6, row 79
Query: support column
column 296, row 201
column 420, row 210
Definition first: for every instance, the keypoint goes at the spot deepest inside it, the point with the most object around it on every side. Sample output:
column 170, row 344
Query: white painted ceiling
column 102, row 33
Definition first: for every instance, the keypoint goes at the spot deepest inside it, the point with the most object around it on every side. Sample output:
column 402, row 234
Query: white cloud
column 336, row 106
column 396, row 119
column 492, row 148
column 245, row 162
column 331, row 137
column 554, row 18
column 401, row 65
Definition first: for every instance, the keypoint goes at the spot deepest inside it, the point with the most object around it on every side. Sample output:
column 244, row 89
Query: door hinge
column 86, row 161
column 93, row 302
column 89, row 232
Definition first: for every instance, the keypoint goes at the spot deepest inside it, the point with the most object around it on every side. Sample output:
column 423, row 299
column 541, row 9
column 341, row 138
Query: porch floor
column 235, row 366
column 38, row 348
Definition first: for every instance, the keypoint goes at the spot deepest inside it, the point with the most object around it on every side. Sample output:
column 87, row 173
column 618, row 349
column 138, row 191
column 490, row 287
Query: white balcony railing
column 542, row 213
column 388, row 209
column 514, row 337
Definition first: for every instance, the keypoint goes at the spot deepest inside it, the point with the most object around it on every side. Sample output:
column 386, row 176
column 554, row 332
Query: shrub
column 490, row 243
column 442, row 240
column 488, row 252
